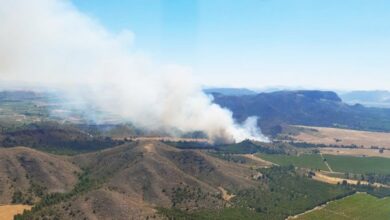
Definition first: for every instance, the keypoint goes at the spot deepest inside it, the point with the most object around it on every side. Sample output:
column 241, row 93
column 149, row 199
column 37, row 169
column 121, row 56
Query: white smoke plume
column 51, row 43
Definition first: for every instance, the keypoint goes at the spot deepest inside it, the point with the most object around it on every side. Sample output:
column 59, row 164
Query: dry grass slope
column 7, row 212
column 138, row 177
column 336, row 136
column 21, row 167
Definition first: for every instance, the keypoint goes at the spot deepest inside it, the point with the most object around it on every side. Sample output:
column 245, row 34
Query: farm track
column 326, row 163
column 335, row 180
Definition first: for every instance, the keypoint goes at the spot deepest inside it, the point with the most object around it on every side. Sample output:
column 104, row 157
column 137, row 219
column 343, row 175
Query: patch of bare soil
column 225, row 195
column 336, row 136
column 358, row 152
column 7, row 212
column 262, row 163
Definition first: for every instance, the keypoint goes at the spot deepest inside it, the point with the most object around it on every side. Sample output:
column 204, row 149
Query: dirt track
column 335, row 180
column 258, row 159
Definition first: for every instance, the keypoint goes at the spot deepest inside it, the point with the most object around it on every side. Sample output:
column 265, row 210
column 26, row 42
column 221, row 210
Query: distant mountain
column 378, row 98
column 230, row 91
column 18, row 95
column 304, row 107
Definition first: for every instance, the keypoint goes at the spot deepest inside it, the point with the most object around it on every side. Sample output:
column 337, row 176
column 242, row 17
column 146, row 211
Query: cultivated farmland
column 357, row 206
column 361, row 165
column 343, row 164
column 336, row 136
column 311, row 161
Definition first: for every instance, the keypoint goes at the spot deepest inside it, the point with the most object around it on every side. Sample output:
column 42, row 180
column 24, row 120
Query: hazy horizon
column 326, row 45
column 333, row 45
column 106, row 54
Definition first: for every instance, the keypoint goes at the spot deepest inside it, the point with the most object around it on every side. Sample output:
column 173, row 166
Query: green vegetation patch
column 244, row 147
column 359, row 165
column 357, row 206
column 310, row 161
column 226, row 213
column 282, row 192
column 248, row 147
column 56, row 138
column 287, row 192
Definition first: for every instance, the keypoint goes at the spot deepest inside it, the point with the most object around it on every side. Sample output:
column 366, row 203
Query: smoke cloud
column 50, row 43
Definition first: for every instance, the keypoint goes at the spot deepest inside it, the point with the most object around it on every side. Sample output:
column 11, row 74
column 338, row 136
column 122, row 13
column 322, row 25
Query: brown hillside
column 31, row 172
column 143, row 175
column 144, row 169
column 133, row 180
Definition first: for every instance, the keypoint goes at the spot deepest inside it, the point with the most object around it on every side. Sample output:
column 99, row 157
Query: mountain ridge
column 304, row 107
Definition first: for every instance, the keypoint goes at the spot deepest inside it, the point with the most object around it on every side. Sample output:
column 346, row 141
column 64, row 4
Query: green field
column 311, row 161
column 360, row 165
column 358, row 206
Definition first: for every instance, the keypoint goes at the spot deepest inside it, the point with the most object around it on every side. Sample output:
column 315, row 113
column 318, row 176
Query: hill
column 312, row 108
column 56, row 138
column 145, row 175
column 27, row 174
column 150, row 179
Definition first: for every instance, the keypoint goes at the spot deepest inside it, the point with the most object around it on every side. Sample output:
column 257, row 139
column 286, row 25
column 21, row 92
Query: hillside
column 312, row 108
column 146, row 175
column 57, row 138
column 152, row 180
column 27, row 174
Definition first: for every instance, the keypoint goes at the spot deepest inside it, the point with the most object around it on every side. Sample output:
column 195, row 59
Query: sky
column 325, row 44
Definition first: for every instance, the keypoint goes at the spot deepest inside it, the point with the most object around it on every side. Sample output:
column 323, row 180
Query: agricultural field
column 310, row 161
column 360, row 165
column 343, row 164
column 339, row 137
column 358, row 152
column 357, row 206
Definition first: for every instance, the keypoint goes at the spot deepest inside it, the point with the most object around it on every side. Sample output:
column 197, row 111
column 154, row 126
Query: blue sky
column 329, row 44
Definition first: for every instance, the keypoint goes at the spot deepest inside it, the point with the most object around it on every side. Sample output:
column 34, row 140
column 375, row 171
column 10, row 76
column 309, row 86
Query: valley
column 67, row 170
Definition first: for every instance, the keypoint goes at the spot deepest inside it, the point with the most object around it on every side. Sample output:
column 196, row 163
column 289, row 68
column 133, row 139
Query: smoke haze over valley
column 55, row 46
